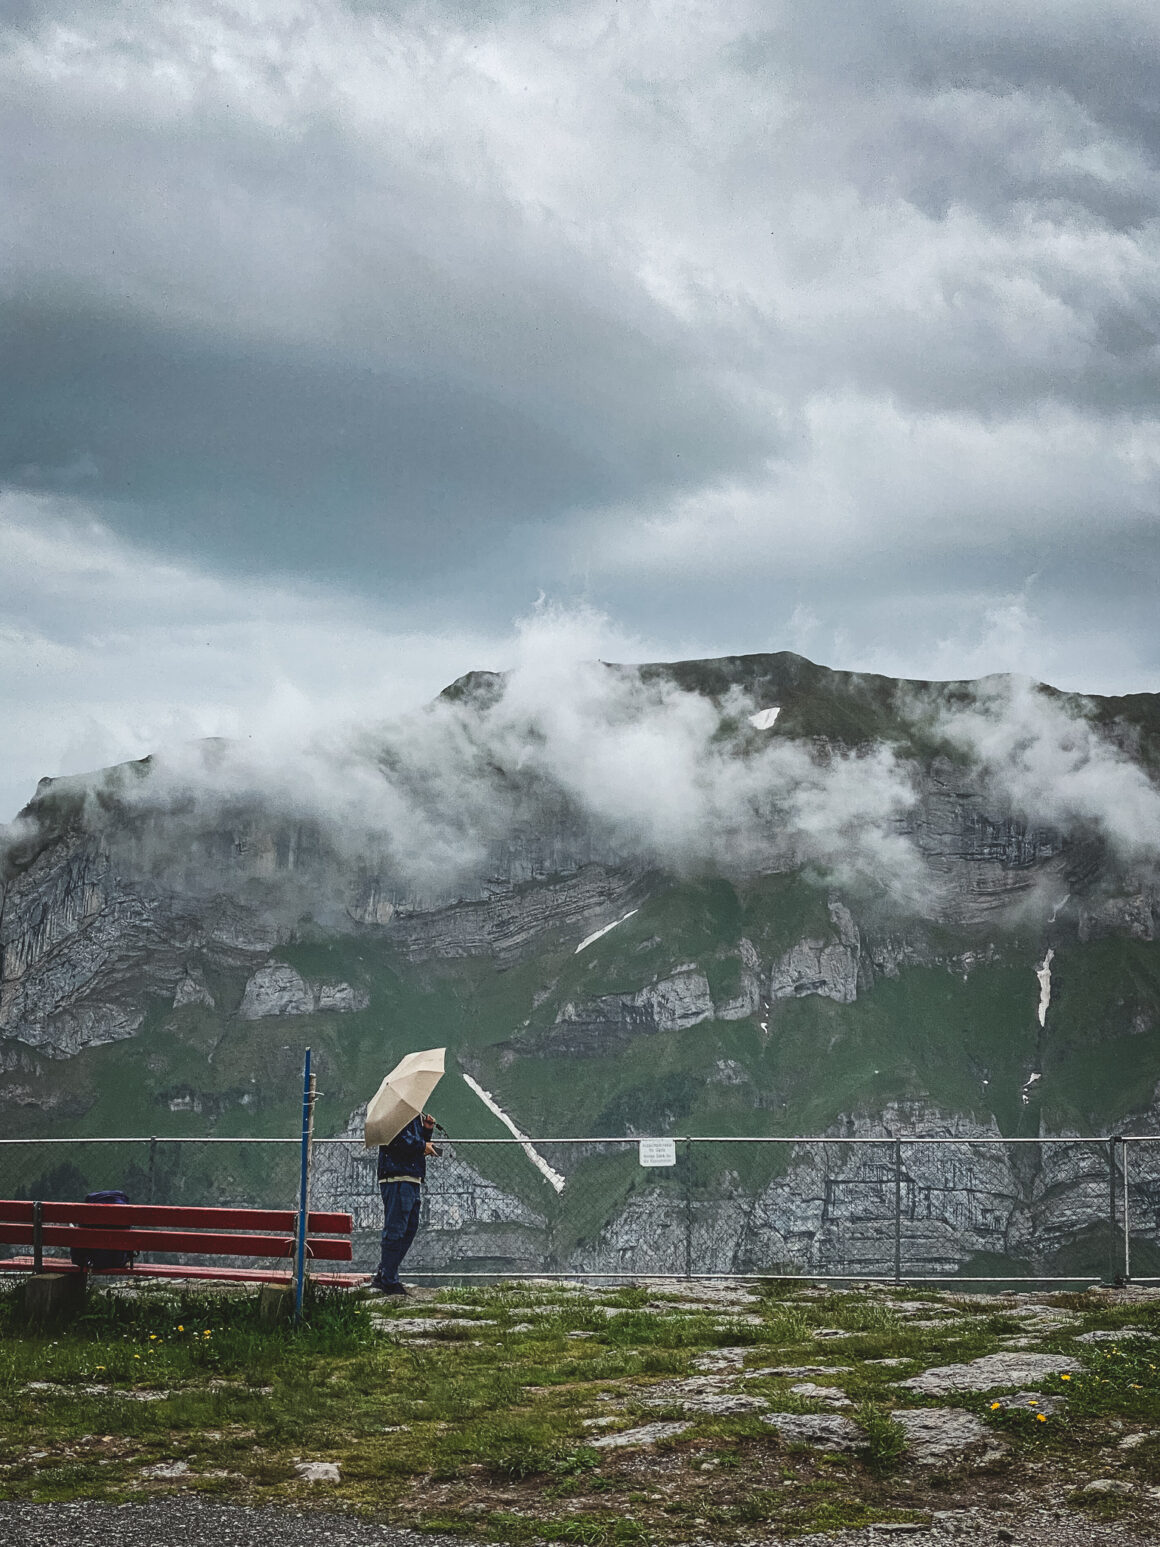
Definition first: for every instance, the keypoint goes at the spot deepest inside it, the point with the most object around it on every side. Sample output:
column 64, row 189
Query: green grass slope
column 961, row 1041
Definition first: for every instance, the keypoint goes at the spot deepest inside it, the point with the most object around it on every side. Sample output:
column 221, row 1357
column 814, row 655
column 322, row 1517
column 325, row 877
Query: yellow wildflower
column 180, row 1328
column 994, row 1405
column 1065, row 1377
column 1042, row 1417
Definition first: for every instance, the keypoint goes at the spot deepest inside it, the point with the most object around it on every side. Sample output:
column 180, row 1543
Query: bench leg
column 275, row 1302
column 53, row 1296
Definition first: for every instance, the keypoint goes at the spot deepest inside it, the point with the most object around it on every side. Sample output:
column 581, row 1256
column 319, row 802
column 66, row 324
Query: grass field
column 487, row 1411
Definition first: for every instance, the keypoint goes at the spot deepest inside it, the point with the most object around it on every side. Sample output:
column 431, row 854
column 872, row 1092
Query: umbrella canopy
column 403, row 1095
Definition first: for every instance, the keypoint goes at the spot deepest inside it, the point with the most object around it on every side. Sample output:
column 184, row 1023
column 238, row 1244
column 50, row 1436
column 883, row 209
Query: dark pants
column 401, row 1220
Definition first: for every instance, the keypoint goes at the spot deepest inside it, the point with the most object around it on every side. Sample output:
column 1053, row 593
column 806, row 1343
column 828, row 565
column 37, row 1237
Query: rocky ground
column 547, row 1411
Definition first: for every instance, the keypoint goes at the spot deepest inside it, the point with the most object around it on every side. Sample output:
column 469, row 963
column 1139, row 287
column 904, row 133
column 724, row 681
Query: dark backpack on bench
column 97, row 1256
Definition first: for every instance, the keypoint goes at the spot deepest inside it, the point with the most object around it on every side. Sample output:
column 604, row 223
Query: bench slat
column 183, row 1271
column 207, row 1242
column 17, row 1211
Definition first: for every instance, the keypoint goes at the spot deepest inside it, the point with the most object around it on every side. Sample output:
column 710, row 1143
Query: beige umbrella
column 403, row 1095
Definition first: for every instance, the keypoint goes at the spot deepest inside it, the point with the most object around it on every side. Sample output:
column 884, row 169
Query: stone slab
column 822, row 1431
column 421, row 1326
column 166, row 1469
column 703, row 1394
column 1033, row 1401
column 989, row 1373
column 1121, row 1335
column 318, row 1471
column 647, row 1434
column 797, row 1371
column 718, row 1359
column 829, row 1396
column 1134, row 1441
column 938, row 1435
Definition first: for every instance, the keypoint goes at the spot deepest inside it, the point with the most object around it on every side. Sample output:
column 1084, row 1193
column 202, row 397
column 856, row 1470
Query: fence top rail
column 797, row 1138
column 635, row 1139
column 792, row 1278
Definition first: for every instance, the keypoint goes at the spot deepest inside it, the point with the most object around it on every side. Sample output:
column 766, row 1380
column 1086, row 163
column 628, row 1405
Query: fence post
column 688, row 1208
column 1113, row 1211
column 1127, row 1216
column 152, row 1167
column 897, row 1210
column 37, row 1238
column 304, row 1183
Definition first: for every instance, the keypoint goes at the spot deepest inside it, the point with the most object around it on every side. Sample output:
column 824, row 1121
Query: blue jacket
column 406, row 1154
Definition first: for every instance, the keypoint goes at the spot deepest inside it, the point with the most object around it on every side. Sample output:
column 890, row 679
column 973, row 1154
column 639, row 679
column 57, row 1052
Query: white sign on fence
column 658, row 1152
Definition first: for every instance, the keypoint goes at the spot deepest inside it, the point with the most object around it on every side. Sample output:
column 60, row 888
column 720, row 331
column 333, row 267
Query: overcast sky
column 333, row 336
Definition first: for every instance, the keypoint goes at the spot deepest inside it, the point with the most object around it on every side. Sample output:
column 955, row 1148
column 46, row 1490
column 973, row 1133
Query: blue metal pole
column 303, row 1188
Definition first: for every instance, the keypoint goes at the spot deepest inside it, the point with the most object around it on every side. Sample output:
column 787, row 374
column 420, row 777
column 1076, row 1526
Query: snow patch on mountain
column 598, row 934
column 529, row 1149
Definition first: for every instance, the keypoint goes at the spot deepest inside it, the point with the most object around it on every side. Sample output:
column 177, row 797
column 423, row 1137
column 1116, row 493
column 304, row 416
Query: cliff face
column 101, row 915
column 157, row 949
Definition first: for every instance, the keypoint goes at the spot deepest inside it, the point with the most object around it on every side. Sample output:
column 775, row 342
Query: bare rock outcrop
column 825, row 967
column 278, row 989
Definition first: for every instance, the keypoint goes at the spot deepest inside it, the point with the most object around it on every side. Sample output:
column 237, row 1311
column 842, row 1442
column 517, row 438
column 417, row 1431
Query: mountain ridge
column 164, row 941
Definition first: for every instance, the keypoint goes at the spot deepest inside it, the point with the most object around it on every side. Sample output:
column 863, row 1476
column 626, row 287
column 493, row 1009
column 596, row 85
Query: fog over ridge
column 341, row 327
column 626, row 764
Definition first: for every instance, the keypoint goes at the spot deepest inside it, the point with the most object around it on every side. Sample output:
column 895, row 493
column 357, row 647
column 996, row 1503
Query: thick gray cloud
column 823, row 325
column 252, row 284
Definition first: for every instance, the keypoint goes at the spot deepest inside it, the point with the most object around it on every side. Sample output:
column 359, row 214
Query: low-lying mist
column 572, row 758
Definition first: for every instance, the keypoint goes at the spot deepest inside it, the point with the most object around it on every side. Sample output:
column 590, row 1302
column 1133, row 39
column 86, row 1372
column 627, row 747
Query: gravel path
column 188, row 1521
column 965, row 1528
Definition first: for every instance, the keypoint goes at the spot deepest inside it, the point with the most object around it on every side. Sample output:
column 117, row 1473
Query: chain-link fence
column 894, row 1207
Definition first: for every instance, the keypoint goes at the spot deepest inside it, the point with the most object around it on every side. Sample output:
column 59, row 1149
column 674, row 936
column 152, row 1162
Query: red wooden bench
column 141, row 1228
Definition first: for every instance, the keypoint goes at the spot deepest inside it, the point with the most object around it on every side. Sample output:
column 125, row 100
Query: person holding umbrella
column 403, row 1132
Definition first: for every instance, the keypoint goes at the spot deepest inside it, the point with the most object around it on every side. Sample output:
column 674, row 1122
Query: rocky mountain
column 636, row 904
